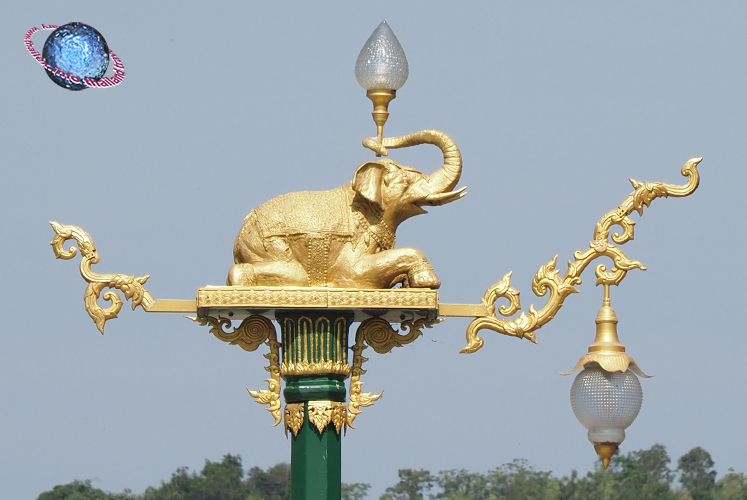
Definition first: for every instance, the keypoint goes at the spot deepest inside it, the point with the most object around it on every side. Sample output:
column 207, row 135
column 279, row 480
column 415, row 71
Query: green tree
column 732, row 486
column 597, row 485
column 217, row 481
column 413, row 484
column 517, row 480
column 179, row 486
column 273, row 484
column 462, row 485
column 643, row 475
column 354, row 491
column 223, row 480
column 82, row 490
column 696, row 473
column 638, row 475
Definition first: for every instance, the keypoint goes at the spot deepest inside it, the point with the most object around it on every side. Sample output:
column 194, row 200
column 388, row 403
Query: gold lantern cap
column 607, row 351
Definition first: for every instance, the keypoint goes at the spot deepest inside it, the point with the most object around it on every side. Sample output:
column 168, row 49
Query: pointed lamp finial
column 605, row 452
column 381, row 69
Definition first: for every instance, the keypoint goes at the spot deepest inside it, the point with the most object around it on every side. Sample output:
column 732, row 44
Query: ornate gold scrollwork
column 378, row 334
column 547, row 277
column 131, row 286
column 249, row 335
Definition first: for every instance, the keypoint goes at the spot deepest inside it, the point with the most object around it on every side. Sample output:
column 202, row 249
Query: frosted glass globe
column 381, row 64
column 606, row 403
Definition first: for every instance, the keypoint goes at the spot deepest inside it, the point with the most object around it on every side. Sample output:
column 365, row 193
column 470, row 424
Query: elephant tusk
column 443, row 198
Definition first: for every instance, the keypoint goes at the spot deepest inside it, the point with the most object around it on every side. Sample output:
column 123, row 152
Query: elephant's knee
column 241, row 275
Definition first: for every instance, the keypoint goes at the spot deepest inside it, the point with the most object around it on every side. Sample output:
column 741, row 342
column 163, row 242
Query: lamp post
column 316, row 263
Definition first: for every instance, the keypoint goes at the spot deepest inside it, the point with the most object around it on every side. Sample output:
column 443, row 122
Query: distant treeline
column 638, row 475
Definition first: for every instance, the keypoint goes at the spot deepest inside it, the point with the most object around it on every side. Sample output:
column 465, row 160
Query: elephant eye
column 389, row 175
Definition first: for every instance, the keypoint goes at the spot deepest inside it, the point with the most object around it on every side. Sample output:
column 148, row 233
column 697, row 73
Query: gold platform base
column 396, row 305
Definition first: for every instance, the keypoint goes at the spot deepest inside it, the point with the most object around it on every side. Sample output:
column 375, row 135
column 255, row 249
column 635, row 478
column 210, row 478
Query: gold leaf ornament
column 294, row 416
column 323, row 413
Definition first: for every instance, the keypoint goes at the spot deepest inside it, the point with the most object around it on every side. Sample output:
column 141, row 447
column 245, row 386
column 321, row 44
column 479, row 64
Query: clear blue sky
column 554, row 106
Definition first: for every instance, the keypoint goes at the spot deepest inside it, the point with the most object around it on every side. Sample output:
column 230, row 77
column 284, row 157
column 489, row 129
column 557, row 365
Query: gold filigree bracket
column 249, row 335
column 548, row 278
column 378, row 334
column 131, row 286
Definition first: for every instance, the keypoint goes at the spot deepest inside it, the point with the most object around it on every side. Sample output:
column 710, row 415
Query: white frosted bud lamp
column 606, row 395
column 381, row 69
column 606, row 404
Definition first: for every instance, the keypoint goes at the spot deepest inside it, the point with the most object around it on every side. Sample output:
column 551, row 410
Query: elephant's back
column 303, row 212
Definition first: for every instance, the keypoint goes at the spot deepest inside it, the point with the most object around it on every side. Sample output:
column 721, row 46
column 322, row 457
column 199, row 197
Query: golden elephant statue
column 344, row 237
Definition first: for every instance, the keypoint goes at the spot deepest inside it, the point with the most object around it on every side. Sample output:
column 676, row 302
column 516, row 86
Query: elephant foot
column 241, row 275
column 422, row 275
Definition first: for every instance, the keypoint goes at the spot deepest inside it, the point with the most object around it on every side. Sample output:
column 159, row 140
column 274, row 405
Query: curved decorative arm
column 548, row 278
column 379, row 334
column 131, row 286
column 249, row 335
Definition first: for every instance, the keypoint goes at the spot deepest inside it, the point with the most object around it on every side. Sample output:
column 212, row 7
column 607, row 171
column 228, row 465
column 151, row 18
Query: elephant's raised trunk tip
column 445, row 178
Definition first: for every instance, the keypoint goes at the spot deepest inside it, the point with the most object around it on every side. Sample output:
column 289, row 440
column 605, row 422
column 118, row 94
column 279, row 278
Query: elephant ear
column 367, row 181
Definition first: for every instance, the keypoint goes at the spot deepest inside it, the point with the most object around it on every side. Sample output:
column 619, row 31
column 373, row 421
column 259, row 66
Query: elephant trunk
column 445, row 178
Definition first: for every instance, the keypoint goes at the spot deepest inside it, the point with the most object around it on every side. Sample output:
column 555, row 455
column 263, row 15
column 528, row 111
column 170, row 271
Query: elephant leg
column 422, row 275
column 383, row 269
column 241, row 275
column 267, row 274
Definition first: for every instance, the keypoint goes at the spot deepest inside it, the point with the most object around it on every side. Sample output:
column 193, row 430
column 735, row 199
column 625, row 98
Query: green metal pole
column 316, row 461
column 315, row 348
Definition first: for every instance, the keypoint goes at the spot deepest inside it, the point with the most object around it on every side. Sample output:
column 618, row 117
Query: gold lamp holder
column 381, row 100
column 609, row 353
column 607, row 350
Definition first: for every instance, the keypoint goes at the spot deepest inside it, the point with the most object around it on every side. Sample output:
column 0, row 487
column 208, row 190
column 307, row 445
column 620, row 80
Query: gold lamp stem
column 381, row 100
column 606, row 339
